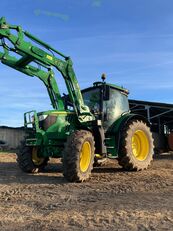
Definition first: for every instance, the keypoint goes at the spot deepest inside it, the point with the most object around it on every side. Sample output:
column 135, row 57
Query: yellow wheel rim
column 140, row 145
column 36, row 160
column 85, row 156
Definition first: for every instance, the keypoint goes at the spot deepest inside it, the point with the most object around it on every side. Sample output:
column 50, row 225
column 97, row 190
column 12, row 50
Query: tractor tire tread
column 126, row 158
column 25, row 162
column 71, row 156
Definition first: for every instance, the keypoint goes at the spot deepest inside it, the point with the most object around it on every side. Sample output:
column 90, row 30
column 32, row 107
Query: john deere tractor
column 84, row 126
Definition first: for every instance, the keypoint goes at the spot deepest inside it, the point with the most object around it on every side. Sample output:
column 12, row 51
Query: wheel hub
column 140, row 145
column 85, row 156
column 35, row 158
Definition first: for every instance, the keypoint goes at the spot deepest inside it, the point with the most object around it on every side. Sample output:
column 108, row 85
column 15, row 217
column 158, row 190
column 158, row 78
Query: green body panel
column 51, row 132
column 113, row 136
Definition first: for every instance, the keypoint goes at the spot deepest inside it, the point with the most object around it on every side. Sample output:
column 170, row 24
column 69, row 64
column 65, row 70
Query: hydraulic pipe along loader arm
column 30, row 53
column 85, row 126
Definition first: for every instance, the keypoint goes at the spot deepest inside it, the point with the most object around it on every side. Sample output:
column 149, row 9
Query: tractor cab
column 107, row 102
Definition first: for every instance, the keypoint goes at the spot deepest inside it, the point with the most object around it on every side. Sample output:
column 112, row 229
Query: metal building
column 160, row 116
column 10, row 138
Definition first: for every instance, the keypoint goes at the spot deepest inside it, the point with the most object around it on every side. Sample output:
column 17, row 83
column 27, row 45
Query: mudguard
column 113, row 134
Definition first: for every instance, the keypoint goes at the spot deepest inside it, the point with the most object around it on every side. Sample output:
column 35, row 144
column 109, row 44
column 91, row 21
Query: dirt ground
column 111, row 200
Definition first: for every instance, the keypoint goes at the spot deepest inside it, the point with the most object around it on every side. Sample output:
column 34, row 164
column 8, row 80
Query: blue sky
column 129, row 40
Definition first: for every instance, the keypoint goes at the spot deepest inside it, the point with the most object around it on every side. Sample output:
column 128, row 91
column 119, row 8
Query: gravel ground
column 111, row 200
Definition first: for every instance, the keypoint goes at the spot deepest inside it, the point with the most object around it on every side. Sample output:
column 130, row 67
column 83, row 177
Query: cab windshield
column 115, row 107
column 108, row 110
column 92, row 100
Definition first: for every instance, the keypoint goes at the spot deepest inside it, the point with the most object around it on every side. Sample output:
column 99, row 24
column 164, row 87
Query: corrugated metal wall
column 13, row 136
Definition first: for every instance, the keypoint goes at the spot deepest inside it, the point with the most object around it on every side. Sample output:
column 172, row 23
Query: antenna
column 103, row 77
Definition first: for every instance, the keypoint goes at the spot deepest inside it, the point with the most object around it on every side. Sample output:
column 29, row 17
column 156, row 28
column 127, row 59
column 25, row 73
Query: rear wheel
column 78, row 156
column 29, row 160
column 136, row 149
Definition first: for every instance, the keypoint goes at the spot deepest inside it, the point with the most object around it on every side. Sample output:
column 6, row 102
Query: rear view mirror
column 106, row 92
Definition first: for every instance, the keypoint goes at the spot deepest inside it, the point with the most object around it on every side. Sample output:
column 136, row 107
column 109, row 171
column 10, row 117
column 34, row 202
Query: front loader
column 85, row 126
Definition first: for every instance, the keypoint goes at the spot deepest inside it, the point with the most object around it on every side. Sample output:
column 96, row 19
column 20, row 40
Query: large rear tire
column 28, row 159
column 78, row 156
column 136, row 148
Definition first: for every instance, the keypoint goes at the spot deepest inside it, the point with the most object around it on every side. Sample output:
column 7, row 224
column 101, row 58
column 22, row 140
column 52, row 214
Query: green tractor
column 85, row 126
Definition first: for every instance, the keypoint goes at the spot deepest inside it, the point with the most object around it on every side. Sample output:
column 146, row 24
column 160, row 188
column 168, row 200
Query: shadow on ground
column 164, row 156
column 10, row 173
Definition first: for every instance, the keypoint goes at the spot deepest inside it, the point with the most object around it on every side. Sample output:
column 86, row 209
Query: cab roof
column 98, row 84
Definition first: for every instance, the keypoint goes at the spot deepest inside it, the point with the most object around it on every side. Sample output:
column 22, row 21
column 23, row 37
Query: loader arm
column 28, row 54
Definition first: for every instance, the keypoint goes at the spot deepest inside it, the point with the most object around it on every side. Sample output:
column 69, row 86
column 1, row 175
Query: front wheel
column 28, row 159
column 78, row 156
column 136, row 147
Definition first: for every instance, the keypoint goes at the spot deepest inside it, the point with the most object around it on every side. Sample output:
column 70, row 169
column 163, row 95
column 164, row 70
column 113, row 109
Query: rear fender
column 114, row 133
